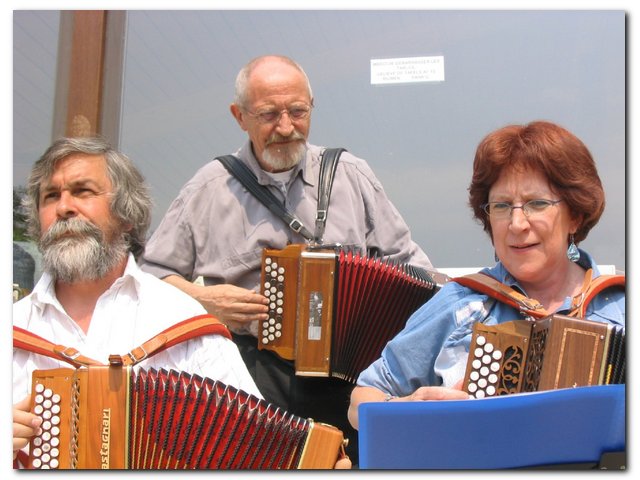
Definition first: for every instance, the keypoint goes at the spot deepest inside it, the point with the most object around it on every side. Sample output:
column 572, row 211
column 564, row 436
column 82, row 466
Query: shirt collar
column 44, row 292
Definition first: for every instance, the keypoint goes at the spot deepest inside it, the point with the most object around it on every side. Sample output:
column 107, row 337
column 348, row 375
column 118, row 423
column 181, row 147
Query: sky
column 328, row 129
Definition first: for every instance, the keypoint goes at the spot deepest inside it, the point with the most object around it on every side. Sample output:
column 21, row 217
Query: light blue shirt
column 433, row 347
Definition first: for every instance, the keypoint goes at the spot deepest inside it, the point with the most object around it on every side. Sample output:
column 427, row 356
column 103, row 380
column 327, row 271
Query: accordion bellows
column 333, row 310
column 115, row 418
column 554, row 352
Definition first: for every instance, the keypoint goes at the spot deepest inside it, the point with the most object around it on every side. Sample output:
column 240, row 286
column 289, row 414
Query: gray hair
column 131, row 201
column 242, row 80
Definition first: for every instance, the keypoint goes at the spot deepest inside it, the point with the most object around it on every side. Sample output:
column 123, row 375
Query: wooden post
column 89, row 78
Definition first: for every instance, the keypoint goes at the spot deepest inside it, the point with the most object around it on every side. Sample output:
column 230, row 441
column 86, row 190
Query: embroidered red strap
column 178, row 333
column 598, row 285
column 488, row 285
column 21, row 461
column 31, row 342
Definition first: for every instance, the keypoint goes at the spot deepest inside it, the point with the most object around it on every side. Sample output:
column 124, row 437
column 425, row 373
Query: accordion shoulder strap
column 328, row 165
column 488, row 285
column 180, row 332
column 268, row 199
column 31, row 342
column 597, row 285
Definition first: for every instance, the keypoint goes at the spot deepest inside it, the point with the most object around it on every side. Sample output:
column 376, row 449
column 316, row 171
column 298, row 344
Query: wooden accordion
column 332, row 311
column 114, row 418
column 554, row 352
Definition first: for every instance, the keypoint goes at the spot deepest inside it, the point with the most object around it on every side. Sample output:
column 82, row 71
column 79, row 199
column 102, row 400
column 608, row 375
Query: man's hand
column 233, row 306
column 25, row 425
column 343, row 463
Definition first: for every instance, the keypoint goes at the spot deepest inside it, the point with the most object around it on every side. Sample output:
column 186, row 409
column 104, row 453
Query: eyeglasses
column 502, row 210
column 295, row 113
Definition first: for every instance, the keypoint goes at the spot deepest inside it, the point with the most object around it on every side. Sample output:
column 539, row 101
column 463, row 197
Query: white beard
column 84, row 255
column 284, row 156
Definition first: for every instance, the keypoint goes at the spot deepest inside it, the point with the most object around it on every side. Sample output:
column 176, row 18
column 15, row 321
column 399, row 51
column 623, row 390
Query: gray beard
column 85, row 255
column 284, row 158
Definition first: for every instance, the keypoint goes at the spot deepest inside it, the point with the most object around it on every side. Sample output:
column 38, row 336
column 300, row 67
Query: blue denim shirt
column 433, row 347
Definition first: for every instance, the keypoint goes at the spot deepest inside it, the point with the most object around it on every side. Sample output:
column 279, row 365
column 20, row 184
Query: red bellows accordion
column 554, row 352
column 114, row 418
column 332, row 311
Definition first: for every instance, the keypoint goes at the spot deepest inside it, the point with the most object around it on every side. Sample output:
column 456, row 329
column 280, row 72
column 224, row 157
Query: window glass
column 35, row 52
column 500, row 67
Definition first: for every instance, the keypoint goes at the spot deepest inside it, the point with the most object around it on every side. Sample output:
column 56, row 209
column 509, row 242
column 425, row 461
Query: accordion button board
column 46, row 445
column 546, row 354
column 332, row 310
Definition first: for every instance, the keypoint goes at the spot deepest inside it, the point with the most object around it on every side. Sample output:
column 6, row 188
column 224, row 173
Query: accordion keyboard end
column 322, row 447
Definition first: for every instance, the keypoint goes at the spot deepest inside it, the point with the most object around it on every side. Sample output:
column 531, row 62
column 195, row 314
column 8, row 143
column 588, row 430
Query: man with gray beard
column 89, row 210
column 217, row 230
column 74, row 250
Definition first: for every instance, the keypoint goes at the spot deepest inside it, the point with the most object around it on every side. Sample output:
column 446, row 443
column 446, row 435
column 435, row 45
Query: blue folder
column 550, row 428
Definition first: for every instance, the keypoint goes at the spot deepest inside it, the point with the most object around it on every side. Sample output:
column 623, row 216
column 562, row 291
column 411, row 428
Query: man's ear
column 237, row 113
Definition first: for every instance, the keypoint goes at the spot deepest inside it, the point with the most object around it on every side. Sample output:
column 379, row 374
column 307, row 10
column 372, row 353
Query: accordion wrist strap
column 178, row 333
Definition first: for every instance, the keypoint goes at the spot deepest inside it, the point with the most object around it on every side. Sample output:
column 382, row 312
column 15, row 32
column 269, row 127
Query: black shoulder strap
column 328, row 166
column 249, row 180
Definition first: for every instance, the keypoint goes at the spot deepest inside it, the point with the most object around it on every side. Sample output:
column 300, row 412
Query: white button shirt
column 135, row 308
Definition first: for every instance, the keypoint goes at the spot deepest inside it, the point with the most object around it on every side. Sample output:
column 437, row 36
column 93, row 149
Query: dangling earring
column 573, row 253
column 495, row 256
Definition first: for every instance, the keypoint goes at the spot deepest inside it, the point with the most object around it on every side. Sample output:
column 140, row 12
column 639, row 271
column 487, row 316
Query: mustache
column 72, row 227
column 277, row 138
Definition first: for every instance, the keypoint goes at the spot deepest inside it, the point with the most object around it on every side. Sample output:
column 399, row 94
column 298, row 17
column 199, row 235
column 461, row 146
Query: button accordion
column 114, row 418
column 546, row 354
column 332, row 310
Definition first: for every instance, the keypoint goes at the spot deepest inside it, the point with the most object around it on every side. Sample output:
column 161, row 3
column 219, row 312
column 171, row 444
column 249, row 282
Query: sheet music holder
column 567, row 428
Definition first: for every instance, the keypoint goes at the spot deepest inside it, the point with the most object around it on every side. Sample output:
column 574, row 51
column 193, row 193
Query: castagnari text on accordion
column 108, row 417
column 554, row 352
column 333, row 310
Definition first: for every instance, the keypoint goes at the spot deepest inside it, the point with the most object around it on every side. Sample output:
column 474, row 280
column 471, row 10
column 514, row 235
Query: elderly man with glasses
column 216, row 229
